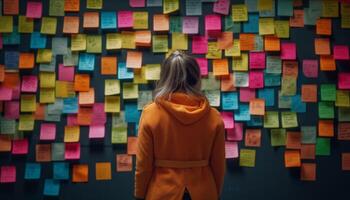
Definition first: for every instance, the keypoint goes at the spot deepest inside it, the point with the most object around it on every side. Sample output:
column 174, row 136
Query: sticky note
column 309, row 92
column 34, row 9
column 48, row 25
column 94, row 4
column 326, row 110
column 231, row 149
column 323, row 146
column 56, row 8
column 310, row 68
column 160, row 22
column 308, row 172
column 271, row 119
column 326, row 128
column 94, row 44
column 221, row 7
column 170, row 6
column 278, row 137
column 328, row 92
column 199, row 45
column 71, row 5
column 341, row 52
column 239, row 13
column 293, row 140
column 114, row 41
column 257, row 60
column 124, row 163
column 141, row 20
column 6, row 24
column 322, row 46
column 256, row 79
column 8, row 174
column 229, row 101
column 292, row 158
column 159, row 43
column 86, row 62
column 61, row 171
column 345, row 161
column 137, row 3
column 80, row 173
column 103, row 171
column 32, row 171
column 125, row 19
column 91, row 20
column 72, row 151
column 242, row 114
column 47, row 131
column 285, row 8
column 344, row 80
column 282, row 28
column 247, row 157
column 193, row 7
column 190, row 25
column 288, row 51
column 289, row 119
column 266, row 26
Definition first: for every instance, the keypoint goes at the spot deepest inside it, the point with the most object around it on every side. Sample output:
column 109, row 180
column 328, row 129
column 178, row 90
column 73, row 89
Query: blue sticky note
column 271, row 80
column 86, row 62
column 297, row 105
column 242, row 114
column 61, row 171
column 229, row 101
column 255, row 121
column 108, row 20
column 11, row 59
column 268, row 94
column 51, row 187
column 12, row 38
column 132, row 114
column 285, row 8
column 252, row 25
column 37, row 41
column 70, row 105
column 32, row 171
column 124, row 72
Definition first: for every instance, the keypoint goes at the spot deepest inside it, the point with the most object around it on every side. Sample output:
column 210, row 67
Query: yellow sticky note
column 213, row 51
column 64, row 89
column 140, row 20
column 48, row 25
column 6, row 24
column 288, row 86
column 282, row 28
column 94, row 4
column 247, row 157
column 330, row 8
column 289, row 119
column 152, row 72
column 25, row 25
column 120, row 134
column 130, row 91
column 234, row 50
column 342, row 98
column 47, row 79
column 271, row 119
column 71, row 134
column 240, row 63
column 47, row 95
column 239, row 13
column 170, row 6
column 112, row 87
column 128, row 40
column 78, row 42
column 114, row 41
column 179, row 41
column 26, row 122
column 266, row 26
column 112, row 104
column 265, row 5
column 44, row 56
column 140, row 75
column 28, row 103
column 94, row 44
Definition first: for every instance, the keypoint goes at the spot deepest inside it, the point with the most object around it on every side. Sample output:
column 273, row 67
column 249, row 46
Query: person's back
column 180, row 146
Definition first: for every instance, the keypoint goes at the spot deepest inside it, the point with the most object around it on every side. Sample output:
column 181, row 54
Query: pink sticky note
column 344, row 80
column 222, row 7
column 227, row 117
column 341, row 52
column 236, row 133
column 99, row 116
column 310, row 68
column 199, row 44
column 137, row 3
column 65, row 73
column 256, row 79
column 203, row 65
column 97, row 131
column 47, row 131
column 20, row 146
column 257, row 60
column 231, row 149
column 246, row 94
column 125, row 19
column 34, row 9
column 72, row 151
column 29, row 83
column 16, row 92
column 11, row 110
column 5, row 93
column 288, row 51
column 8, row 174
column 190, row 25
column 72, row 120
column 213, row 23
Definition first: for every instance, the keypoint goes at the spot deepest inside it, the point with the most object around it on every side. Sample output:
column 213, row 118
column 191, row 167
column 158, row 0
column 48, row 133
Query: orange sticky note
column 252, row 137
column 103, row 171
column 40, row 112
column 272, row 43
column 5, row 143
column 326, row 128
column 298, row 19
column 290, row 68
column 82, row 82
column 292, row 158
column 309, row 93
column 91, row 20
column 247, row 41
column 227, row 83
column 220, row 67
column 11, row 7
column 257, row 106
column 80, row 173
column 43, row 153
column 293, row 140
column 322, row 46
column 308, row 172
column 308, row 151
column 87, row 98
column 84, row 116
column 109, row 65
column 143, row 38
column 71, row 5
column 26, row 60
column 124, row 163
column 327, row 63
column 134, row 59
column 11, row 80
column 2, row 73
column 132, row 145
column 225, row 40
column 71, row 24
column 324, row 26
column 160, row 22
column 345, row 164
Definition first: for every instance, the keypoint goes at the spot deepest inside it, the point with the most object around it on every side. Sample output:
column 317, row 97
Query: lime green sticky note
column 325, row 110
column 94, row 4
column 328, row 92
column 160, row 43
column 271, row 119
column 289, row 86
column 289, row 119
column 94, row 43
column 6, row 24
column 120, row 134
column 278, row 137
column 48, row 25
column 56, row 8
column 343, row 114
column 247, row 158
column 323, row 146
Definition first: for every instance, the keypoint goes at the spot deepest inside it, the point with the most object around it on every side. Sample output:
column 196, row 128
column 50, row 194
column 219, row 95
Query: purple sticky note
column 190, row 25
column 310, row 68
column 20, row 146
column 288, row 51
column 256, row 79
column 236, row 133
column 222, row 7
column 97, row 131
column 199, row 44
column 341, row 52
column 137, row 3
column 11, row 110
column 29, row 83
column 5, row 93
column 125, row 19
column 34, row 9
column 8, row 174
column 48, row 131
column 344, row 80
column 65, row 73
column 203, row 66
column 227, row 117
column 231, row 149
column 246, row 94
column 257, row 60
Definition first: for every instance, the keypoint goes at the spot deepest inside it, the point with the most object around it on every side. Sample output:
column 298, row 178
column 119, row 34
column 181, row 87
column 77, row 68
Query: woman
column 181, row 147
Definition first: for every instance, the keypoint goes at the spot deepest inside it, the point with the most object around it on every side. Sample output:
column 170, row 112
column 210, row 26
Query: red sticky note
column 65, row 73
column 48, row 131
column 288, row 51
column 20, row 146
column 72, row 151
column 125, row 19
column 341, row 52
column 236, row 133
column 227, row 117
column 8, row 174
column 231, row 149
column 256, row 79
column 29, row 83
column 257, row 60
column 344, row 80
column 199, row 44
column 34, row 9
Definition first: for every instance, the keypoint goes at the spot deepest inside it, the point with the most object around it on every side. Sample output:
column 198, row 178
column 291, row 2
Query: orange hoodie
column 181, row 144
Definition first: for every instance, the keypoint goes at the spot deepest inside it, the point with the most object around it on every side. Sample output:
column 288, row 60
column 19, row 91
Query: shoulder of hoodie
column 150, row 107
column 217, row 115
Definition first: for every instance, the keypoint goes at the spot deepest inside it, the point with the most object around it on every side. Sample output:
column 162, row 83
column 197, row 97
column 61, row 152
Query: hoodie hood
column 185, row 108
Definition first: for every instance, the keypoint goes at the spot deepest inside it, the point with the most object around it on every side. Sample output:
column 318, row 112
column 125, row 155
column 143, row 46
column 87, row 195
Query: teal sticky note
column 255, row 121
column 132, row 114
column 297, row 105
column 32, row 171
column 323, row 146
column 252, row 5
column 252, row 25
column 61, row 171
column 231, row 26
column 13, row 38
column 273, row 65
column 285, row 8
column 51, row 187
column 57, row 151
column 229, row 101
column 268, row 94
column 124, row 72
column 271, row 80
column 70, row 105
column 242, row 114
column 175, row 24
column 108, row 20
column 308, row 135
column 86, row 62
column 326, row 110
column 37, row 40
column 328, row 92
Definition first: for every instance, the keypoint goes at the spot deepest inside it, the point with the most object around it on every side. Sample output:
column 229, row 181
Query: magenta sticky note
column 125, row 19
column 72, row 151
column 310, row 68
column 29, row 83
column 231, row 149
column 288, row 51
column 20, row 146
column 48, row 131
column 97, row 131
column 5, row 93
column 256, row 79
column 341, row 52
column 203, row 66
column 344, row 80
column 236, row 133
column 99, row 116
column 257, row 60
column 227, row 117
column 137, row 3
column 11, row 110
column 65, row 73
column 246, row 94
column 222, row 7
column 199, row 44
column 72, row 120
column 190, row 25
column 8, row 174
column 16, row 92
column 213, row 22
column 34, row 9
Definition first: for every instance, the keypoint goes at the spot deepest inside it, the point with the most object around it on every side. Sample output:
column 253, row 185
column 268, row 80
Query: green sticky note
column 323, row 147
column 289, row 119
column 94, row 44
column 278, row 137
column 308, row 134
column 56, row 8
column 231, row 26
column 328, row 92
column 247, row 158
column 120, row 134
column 57, row 151
column 160, row 43
column 325, row 110
column 271, row 119
column 210, row 83
column 8, row 126
column 175, row 24
column 289, row 86
column 344, row 114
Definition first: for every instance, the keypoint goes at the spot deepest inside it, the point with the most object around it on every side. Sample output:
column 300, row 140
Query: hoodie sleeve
column 217, row 159
column 144, row 158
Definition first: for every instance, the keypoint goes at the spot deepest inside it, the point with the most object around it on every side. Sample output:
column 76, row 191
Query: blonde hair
column 179, row 73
